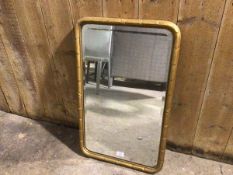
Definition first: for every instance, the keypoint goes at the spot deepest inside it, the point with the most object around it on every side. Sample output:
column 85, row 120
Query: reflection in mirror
column 126, row 73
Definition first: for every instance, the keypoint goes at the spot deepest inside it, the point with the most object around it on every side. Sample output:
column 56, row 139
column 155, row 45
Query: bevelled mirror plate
column 126, row 75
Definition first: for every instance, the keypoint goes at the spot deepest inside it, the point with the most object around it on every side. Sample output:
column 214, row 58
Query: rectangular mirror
column 126, row 76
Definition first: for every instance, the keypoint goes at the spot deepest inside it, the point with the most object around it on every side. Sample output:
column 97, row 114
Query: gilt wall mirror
column 126, row 75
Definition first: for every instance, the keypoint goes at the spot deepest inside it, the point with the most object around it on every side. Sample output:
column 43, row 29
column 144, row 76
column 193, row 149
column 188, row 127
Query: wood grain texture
column 216, row 118
column 90, row 8
column 59, row 28
column 120, row 8
column 228, row 152
column 36, row 42
column 199, row 30
column 74, row 10
column 24, row 69
column 159, row 9
column 9, row 85
column 3, row 103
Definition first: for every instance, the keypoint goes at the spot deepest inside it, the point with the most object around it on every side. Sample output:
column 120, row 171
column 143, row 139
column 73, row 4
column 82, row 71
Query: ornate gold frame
column 169, row 94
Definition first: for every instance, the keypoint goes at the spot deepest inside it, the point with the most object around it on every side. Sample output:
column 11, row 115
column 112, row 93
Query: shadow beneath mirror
column 26, row 140
column 68, row 136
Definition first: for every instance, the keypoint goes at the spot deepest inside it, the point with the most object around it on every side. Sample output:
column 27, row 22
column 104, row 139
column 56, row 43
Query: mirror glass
column 126, row 73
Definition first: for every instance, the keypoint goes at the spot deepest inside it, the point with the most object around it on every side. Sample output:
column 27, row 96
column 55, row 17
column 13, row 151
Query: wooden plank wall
column 38, row 75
